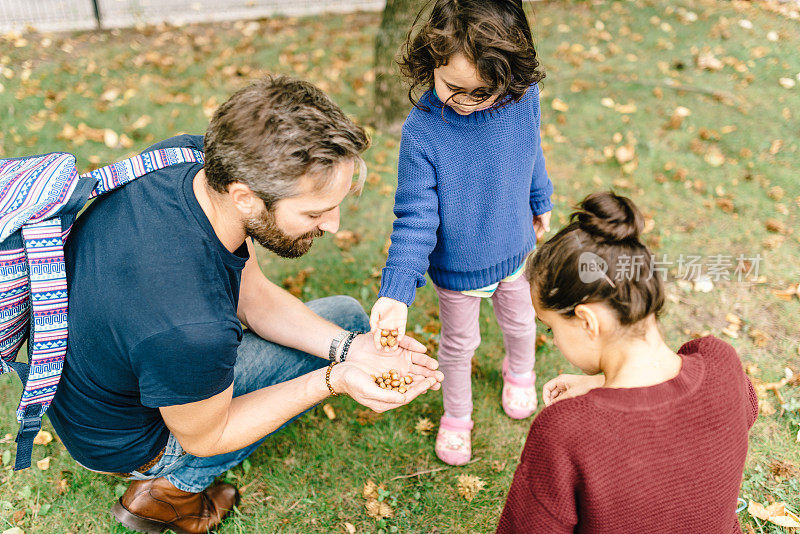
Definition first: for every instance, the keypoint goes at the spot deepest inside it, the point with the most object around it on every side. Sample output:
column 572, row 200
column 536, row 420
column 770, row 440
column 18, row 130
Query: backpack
column 40, row 197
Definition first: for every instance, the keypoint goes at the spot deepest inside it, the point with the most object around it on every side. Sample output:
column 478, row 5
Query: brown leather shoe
column 154, row 506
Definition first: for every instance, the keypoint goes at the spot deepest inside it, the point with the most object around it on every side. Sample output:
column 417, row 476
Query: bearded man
column 161, row 383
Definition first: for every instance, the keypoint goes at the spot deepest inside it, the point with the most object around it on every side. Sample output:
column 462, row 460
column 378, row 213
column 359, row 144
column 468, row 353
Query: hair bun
column 609, row 217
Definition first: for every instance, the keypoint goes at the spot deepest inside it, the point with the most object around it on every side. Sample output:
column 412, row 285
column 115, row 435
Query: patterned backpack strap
column 47, row 345
column 118, row 174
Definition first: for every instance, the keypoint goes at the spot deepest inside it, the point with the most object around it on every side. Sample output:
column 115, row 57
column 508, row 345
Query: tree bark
column 391, row 91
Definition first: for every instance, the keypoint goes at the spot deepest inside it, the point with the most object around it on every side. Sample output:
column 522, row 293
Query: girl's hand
column 388, row 314
column 568, row 386
column 541, row 224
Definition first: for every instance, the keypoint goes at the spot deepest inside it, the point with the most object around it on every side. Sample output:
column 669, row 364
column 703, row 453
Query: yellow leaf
column 43, row 438
column 468, row 486
column 757, row 509
column 560, row 105
column 110, row 138
column 714, row 157
column 329, row 411
column 624, row 154
column 43, row 464
column 350, row 528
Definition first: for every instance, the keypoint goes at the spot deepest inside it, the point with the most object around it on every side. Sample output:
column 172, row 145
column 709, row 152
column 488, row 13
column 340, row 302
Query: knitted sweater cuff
column 542, row 206
column 400, row 284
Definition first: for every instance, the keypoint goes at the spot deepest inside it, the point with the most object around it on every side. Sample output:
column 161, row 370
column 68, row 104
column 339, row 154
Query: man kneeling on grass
column 160, row 384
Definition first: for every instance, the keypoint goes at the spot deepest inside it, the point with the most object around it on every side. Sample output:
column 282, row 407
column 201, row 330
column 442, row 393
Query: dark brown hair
column 598, row 257
column 494, row 35
column 275, row 131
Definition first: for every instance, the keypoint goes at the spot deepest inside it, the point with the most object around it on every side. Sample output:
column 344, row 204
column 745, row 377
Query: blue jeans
column 259, row 364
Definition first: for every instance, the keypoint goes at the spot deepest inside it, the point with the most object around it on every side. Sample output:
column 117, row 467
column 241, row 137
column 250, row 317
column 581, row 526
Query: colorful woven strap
column 118, row 174
column 44, row 247
column 33, row 189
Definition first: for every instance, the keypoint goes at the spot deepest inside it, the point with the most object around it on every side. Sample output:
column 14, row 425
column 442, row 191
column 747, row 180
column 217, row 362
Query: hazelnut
column 402, row 389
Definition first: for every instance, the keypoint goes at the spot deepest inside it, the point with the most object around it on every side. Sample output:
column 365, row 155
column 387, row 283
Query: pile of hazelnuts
column 392, row 380
column 389, row 338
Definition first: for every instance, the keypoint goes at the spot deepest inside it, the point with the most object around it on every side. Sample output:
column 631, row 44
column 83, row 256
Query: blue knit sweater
column 468, row 187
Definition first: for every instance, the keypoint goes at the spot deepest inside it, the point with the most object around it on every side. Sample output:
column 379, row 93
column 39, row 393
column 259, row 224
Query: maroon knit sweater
column 666, row 458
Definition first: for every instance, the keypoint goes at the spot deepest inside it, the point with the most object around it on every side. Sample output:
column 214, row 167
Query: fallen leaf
column 110, row 138
column 14, row 530
column 43, row 464
column 560, row 105
column 370, row 490
column 345, row 239
column 708, row 61
column 757, row 510
column 329, row 411
column 677, row 117
column 349, row 528
column 624, row 154
column 468, row 486
column 787, row 83
column 378, row 509
column 43, row 438
column 760, row 339
column 714, row 156
column 367, row 417
column 703, row 284
column 733, row 319
column 295, row 284
column 424, row 426
column 18, row 515
column 775, row 226
column 775, row 192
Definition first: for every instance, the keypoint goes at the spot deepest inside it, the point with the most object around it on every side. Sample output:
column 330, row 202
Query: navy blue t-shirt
column 152, row 317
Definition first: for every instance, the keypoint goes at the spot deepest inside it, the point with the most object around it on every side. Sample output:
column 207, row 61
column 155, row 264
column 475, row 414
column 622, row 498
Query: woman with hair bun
column 648, row 440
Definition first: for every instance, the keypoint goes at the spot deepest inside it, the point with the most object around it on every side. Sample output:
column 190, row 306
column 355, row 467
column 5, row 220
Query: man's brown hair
column 271, row 133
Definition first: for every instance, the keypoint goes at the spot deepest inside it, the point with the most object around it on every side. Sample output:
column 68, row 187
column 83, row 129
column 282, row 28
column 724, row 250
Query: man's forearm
column 254, row 415
column 284, row 319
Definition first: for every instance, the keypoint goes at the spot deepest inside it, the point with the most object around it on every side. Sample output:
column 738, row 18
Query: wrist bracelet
column 335, row 344
column 328, row 378
column 350, row 337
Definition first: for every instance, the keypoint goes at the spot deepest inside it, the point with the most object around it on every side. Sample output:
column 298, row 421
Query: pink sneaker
column 519, row 394
column 454, row 441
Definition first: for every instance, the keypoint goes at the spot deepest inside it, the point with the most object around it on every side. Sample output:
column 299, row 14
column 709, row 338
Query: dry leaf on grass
column 349, row 528
column 329, row 411
column 366, row 417
column 345, row 239
column 775, row 513
column 375, row 508
column 560, row 105
column 424, row 426
column 43, row 464
column 468, row 486
column 43, row 438
column 378, row 509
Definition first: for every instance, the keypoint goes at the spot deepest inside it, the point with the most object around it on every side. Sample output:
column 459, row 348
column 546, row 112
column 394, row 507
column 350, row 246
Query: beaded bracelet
column 350, row 337
column 328, row 378
column 335, row 345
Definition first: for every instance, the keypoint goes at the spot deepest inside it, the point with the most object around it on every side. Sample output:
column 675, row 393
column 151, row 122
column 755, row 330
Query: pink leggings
column 460, row 336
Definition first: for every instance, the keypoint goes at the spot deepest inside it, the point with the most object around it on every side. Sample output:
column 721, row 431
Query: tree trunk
column 391, row 92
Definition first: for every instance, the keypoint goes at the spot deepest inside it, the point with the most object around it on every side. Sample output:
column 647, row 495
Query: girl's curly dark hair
column 494, row 35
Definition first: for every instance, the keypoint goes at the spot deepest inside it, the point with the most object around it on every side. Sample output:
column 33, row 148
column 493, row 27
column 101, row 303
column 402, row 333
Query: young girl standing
column 650, row 440
column 472, row 198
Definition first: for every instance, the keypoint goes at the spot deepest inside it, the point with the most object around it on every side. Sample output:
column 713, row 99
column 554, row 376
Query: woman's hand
column 388, row 314
column 568, row 386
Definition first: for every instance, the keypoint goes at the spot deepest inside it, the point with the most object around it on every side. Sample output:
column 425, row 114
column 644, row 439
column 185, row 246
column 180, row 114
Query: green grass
column 309, row 477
